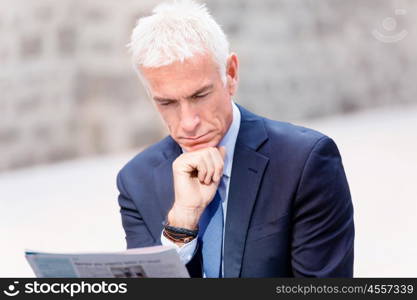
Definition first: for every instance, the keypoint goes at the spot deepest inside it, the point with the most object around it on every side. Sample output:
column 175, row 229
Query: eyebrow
column 200, row 91
column 196, row 93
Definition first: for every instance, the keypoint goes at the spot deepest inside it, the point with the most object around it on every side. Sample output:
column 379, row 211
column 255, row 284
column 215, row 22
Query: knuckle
column 221, row 164
column 202, row 169
column 200, row 160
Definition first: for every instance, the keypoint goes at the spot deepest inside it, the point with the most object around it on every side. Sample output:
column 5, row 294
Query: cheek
column 169, row 118
column 218, row 116
column 212, row 112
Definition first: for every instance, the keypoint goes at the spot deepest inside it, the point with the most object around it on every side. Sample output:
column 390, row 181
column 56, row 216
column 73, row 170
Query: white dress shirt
column 186, row 252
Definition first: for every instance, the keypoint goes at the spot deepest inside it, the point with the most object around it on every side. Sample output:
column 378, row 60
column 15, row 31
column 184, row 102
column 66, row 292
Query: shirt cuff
column 186, row 251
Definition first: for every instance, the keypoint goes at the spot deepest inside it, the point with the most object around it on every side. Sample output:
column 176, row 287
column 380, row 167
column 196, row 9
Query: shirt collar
column 229, row 141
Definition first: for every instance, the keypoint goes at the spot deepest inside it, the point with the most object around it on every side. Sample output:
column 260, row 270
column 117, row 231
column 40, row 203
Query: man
column 236, row 194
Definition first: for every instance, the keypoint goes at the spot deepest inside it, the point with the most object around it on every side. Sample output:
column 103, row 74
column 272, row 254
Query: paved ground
column 72, row 206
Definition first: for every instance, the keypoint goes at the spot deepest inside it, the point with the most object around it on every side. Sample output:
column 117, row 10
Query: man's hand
column 196, row 175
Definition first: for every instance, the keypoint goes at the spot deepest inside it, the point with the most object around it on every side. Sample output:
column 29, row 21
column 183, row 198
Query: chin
column 191, row 148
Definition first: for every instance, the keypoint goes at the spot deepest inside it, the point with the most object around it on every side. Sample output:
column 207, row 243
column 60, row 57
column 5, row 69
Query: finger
column 210, row 166
column 201, row 167
column 218, row 164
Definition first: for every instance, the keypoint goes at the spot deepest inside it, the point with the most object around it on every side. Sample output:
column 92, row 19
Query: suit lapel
column 247, row 172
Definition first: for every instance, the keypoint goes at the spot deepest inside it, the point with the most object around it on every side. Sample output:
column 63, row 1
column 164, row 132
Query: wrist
column 184, row 217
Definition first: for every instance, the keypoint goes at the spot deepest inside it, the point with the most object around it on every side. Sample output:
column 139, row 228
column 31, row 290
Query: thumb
column 222, row 151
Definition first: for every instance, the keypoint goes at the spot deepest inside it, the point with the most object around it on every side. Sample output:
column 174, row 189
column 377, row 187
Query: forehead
column 181, row 78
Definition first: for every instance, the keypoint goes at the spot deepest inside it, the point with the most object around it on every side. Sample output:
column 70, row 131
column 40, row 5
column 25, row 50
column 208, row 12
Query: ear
column 232, row 73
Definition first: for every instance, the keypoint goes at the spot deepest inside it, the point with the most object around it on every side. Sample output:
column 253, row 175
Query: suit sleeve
column 137, row 234
column 323, row 232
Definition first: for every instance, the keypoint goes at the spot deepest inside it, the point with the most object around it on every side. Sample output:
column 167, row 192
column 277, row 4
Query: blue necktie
column 211, row 237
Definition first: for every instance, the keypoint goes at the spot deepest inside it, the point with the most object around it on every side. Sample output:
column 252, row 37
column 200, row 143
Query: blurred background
column 72, row 113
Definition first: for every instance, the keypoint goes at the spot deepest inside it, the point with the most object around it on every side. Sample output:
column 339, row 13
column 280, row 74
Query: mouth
column 196, row 140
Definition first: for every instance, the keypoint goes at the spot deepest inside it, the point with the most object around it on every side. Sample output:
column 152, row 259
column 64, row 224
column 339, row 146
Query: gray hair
column 176, row 31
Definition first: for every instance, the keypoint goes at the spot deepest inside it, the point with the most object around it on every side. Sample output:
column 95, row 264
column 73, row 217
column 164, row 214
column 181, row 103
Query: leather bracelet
column 179, row 230
column 177, row 239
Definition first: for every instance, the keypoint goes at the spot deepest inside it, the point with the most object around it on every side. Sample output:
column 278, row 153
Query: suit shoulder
column 290, row 146
column 147, row 159
column 291, row 135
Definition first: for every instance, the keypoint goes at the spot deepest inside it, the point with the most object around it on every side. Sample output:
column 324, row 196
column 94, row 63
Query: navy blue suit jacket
column 289, row 209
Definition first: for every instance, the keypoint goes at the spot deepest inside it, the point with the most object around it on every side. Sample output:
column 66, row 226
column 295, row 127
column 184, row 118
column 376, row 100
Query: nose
column 190, row 119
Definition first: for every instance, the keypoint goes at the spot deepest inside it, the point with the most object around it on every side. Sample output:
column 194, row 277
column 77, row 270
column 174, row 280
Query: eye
column 200, row 96
column 165, row 103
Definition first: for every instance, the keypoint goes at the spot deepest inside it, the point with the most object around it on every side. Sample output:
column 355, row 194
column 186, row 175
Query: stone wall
column 67, row 88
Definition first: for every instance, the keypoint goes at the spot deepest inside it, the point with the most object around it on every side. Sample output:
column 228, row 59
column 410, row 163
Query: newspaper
column 157, row 261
